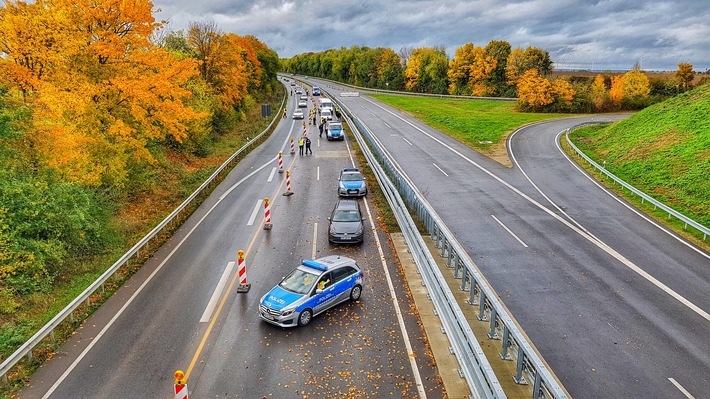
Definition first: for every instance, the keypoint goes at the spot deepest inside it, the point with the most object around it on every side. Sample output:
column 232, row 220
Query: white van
column 326, row 103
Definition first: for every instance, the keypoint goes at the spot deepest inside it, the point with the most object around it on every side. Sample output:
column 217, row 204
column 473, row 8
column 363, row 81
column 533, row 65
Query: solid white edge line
column 509, row 231
column 440, row 170
column 601, row 245
column 397, row 310
column 680, row 388
column 209, row 309
column 255, row 212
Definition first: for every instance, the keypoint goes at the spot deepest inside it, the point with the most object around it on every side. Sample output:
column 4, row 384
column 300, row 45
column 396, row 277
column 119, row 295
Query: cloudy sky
column 580, row 34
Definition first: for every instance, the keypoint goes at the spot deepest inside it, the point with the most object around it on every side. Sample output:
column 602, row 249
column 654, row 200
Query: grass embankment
column 663, row 151
column 481, row 124
column 167, row 184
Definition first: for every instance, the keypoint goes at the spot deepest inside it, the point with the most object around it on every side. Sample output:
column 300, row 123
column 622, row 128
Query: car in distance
column 302, row 104
column 310, row 289
column 293, row 84
column 316, row 91
column 335, row 131
column 297, row 113
column 345, row 223
column 351, row 183
column 303, row 97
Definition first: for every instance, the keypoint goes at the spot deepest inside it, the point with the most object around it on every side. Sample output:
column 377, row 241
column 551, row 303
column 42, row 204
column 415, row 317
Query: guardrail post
column 518, row 377
column 536, row 385
column 474, row 293
column 482, row 307
column 464, row 279
column 444, row 244
column 458, row 267
column 492, row 334
column 452, row 257
column 506, row 344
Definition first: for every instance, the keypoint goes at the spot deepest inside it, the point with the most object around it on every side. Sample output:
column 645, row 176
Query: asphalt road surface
column 616, row 305
column 161, row 320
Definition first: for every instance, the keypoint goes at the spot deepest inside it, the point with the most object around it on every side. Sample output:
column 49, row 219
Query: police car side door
column 324, row 299
column 345, row 280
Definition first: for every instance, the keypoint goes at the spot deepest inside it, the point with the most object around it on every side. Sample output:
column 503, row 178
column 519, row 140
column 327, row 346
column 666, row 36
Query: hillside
column 663, row 150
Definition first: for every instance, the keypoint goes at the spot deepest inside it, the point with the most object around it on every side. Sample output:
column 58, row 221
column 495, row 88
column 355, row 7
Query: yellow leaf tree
column 534, row 90
column 563, row 91
column 598, row 92
column 684, row 76
column 635, row 84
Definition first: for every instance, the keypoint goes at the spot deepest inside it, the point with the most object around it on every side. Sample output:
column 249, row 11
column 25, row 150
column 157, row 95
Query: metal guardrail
column 85, row 296
column 402, row 196
column 644, row 197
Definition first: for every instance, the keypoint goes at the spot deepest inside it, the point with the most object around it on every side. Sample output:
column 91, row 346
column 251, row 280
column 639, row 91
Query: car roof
column 347, row 204
column 328, row 262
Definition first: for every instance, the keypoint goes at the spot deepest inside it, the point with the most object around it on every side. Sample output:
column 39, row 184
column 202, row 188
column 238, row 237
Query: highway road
column 161, row 320
column 616, row 305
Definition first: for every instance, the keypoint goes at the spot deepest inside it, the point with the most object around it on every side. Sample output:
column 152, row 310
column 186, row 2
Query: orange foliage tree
column 469, row 70
column 101, row 90
column 598, row 92
column 616, row 92
column 534, row 90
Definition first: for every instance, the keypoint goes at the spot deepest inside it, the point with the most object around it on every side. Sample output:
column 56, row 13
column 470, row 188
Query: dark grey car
column 346, row 223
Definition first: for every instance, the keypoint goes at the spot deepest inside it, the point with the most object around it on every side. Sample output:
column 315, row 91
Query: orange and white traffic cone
column 242, row 273
column 281, row 163
column 267, row 215
column 288, row 184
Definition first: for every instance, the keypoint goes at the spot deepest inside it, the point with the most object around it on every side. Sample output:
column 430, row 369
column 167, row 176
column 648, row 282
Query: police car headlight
column 287, row 312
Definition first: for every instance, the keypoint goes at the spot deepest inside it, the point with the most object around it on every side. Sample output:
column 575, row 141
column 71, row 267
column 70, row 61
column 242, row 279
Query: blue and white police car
column 352, row 183
column 312, row 288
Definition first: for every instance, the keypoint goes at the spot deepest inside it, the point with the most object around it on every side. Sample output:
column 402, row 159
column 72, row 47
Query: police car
column 352, row 183
column 312, row 288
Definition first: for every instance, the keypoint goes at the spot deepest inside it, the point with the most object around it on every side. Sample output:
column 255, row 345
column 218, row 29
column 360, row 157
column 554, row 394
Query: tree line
column 91, row 92
column 496, row 70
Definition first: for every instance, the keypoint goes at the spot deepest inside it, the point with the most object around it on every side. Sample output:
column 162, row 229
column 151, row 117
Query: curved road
column 616, row 305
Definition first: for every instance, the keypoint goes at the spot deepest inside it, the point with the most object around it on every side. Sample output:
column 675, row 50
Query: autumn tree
column 684, row 76
column 635, row 84
column 563, row 91
column 499, row 50
column 426, row 70
column 616, row 92
column 389, row 70
column 534, row 90
column 519, row 61
column 598, row 92
column 469, row 71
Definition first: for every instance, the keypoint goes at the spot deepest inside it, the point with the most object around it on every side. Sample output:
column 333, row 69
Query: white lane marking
column 373, row 114
column 127, row 304
column 407, row 141
column 388, row 126
column 509, row 232
column 217, row 293
column 601, row 245
column 629, row 207
column 257, row 207
column 317, row 173
column 440, row 170
column 226, row 193
column 315, row 240
column 680, row 388
column 397, row 310
column 271, row 176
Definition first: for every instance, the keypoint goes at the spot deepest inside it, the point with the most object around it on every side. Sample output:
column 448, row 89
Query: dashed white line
column 271, row 175
column 317, row 173
column 315, row 240
column 217, row 293
column 252, row 218
column 680, row 388
column 440, row 170
column 407, row 141
column 509, row 232
column 388, row 126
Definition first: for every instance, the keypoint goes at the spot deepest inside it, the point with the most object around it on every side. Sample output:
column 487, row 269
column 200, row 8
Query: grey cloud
column 608, row 34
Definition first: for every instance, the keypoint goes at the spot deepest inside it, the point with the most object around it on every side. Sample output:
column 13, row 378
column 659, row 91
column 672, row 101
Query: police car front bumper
column 275, row 317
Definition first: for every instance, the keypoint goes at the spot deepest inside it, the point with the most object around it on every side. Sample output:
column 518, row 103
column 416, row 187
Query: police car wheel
column 356, row 293
column 305, row 317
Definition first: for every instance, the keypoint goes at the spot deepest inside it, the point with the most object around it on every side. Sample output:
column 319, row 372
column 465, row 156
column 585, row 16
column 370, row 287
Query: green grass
column 663, row 151
column 480, row 124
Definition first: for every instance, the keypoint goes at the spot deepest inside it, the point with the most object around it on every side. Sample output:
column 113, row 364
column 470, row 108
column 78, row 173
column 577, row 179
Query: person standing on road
column 320, row 128
column 300, row 145
column 308, row 146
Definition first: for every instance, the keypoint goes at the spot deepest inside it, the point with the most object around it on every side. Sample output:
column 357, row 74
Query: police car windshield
column 299, row 281
column 352, row 176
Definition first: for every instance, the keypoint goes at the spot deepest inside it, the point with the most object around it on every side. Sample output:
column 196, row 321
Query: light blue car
column 351, row 183
column 312, row 288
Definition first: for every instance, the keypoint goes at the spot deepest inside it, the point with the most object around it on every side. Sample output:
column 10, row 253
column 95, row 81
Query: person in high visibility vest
column 323, row 283
column 301, row 141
